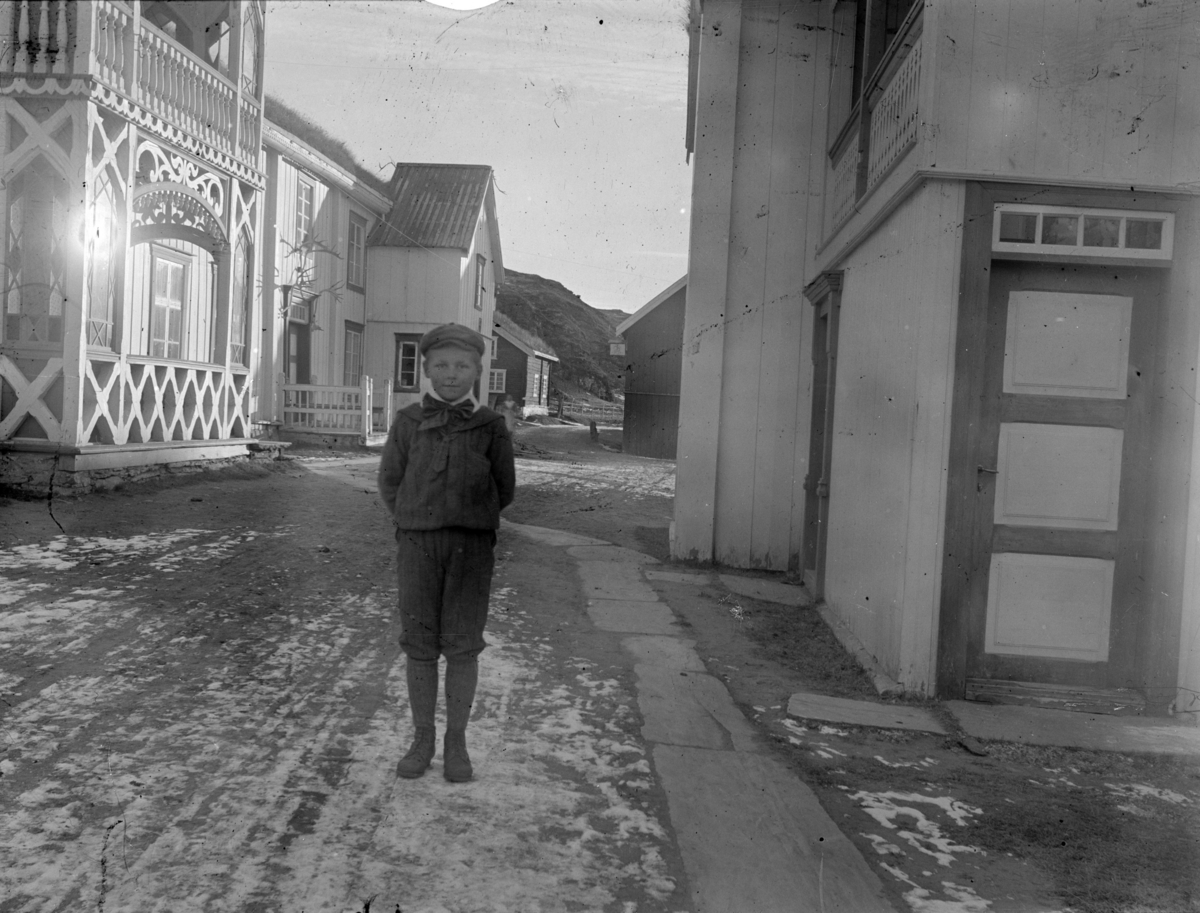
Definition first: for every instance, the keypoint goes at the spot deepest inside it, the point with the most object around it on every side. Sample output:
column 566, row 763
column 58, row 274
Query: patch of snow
column 882, row 847
column 1142, row 791
column 645, row 480
column 832, row 730
column 924, row 834
column 958, row 899
column 923, row 764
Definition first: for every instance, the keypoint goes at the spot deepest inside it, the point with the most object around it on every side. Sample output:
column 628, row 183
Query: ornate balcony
column 113, row 52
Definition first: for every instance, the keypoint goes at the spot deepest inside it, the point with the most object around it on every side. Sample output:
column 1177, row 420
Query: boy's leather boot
column 461, row 678
column 422, row 698
column 456, row 763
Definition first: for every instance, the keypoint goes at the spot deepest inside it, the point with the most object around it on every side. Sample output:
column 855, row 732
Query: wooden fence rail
column 337, row 410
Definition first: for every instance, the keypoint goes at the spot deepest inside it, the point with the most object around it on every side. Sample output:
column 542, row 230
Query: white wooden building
column 940, row 350
column 434, row 258
column 320, row 208
column 131, row 192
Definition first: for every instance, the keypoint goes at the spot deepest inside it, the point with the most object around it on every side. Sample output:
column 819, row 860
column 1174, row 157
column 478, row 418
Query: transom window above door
column 1050, row 231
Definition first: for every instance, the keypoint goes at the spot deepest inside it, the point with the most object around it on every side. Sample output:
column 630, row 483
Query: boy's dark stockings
column 422, row 698
column 462, row 675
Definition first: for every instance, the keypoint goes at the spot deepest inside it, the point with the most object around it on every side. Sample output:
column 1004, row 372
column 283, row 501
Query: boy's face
column 452, row 371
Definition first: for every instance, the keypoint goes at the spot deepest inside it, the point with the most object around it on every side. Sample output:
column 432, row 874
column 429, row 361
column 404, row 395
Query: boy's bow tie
column 436, row 412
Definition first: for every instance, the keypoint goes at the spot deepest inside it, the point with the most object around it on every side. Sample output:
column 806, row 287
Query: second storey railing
column 104, row 39
column 881, row 128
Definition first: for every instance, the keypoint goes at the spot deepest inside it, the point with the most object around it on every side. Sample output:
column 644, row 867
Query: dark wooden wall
column 653, row 363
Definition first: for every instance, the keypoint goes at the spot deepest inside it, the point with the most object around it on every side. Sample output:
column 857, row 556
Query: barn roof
column 436, row 205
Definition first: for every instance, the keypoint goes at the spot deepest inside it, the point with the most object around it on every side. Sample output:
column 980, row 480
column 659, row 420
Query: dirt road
column 202, row 711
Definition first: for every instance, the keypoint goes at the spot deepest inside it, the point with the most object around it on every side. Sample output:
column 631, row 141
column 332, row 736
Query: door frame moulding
column 825, row 295
column 961, row 582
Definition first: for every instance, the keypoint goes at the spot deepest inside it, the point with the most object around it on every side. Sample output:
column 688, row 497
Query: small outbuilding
column 520, row 368
column 653, row 365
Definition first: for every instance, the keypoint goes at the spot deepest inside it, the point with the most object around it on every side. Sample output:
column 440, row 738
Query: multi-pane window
column 480, row 267
column 170, row 280
column 352, row 373
column 496, row 380
column 304, row 211
column 408, row 362
column 356, row 252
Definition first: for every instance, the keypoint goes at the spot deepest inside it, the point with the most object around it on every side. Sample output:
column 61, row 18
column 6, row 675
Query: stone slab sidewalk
column 754, row 838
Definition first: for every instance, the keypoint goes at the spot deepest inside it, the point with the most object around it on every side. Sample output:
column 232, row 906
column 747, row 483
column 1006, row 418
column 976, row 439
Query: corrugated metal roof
column 433, row 206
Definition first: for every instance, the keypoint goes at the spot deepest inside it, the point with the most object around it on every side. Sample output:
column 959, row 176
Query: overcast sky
column 578, row 105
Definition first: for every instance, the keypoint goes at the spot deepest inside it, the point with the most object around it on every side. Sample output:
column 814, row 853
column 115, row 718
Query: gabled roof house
column 434, row 258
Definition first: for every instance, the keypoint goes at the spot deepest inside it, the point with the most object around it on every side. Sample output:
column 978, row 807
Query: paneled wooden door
column 1061, row 476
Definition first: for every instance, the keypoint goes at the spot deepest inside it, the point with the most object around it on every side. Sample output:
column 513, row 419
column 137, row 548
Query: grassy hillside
column 578, row 332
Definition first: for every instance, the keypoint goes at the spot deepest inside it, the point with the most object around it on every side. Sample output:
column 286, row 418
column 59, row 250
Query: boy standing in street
column 446, row 473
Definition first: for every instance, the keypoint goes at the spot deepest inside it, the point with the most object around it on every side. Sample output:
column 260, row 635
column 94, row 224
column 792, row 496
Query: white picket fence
column 320, row 409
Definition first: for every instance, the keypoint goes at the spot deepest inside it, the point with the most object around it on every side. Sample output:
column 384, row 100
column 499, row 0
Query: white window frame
column 171, row 349
column 403, row 342
column 480, row 271
column 352, row 356
column 356, row 252
column 1120, row 252
column 497, row 379
column 306, row 193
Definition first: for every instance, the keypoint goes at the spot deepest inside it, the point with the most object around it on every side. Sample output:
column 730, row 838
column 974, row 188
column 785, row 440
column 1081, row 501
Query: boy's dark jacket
column 459, row 474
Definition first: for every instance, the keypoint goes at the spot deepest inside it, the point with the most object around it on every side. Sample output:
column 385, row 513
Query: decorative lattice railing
column 142, row 400
column 127, row 401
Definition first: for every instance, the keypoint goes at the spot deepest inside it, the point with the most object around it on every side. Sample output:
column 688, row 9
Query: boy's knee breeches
column 444, row 578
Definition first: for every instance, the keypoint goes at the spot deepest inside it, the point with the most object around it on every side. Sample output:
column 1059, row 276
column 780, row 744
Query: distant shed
column 520, row 367
column 653, row 365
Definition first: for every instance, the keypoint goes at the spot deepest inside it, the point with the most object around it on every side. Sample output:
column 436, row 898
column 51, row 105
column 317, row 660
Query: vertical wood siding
column 410, row 291
column 653, row 362
column 1067, row 91
column 762, row 449
column 891, row 431
column 1171, row 620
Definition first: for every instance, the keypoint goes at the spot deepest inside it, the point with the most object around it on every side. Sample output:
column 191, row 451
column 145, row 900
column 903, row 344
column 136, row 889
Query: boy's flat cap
column 452, row 334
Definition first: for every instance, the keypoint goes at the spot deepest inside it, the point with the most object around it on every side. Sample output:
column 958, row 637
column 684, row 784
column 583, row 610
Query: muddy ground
column 988, row 828
column 953, row 825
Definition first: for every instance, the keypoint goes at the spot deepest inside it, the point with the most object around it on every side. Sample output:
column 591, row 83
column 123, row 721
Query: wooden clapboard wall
column 891, row 430
column 1065, row 91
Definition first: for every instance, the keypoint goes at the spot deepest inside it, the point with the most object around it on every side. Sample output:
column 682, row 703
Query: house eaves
column 319, row 166
column 650, row 305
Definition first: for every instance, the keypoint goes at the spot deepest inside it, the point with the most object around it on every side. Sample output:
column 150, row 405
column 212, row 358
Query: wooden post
column 365, row 406
column 708, row 273
column 76, row 291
